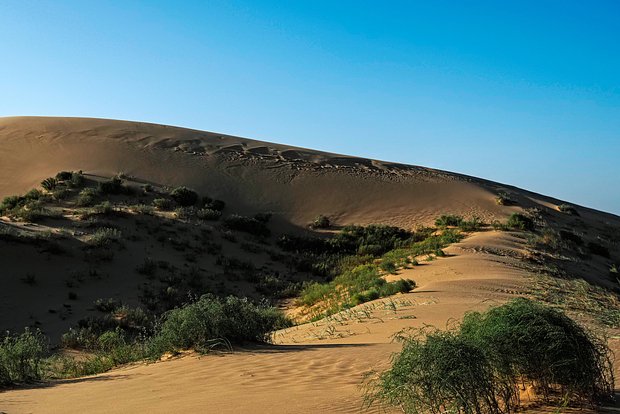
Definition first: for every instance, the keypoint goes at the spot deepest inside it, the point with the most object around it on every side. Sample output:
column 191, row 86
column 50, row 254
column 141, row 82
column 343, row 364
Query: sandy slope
column 315, row 367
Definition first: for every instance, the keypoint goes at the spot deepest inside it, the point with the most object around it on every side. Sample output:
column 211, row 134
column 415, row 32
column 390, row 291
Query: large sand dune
column 311, row 368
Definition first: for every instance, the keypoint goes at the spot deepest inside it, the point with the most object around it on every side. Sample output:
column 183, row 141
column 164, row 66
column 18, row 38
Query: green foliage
column 321, row 222
column 184, row 196
column 449, row 220
column 473, row 224
column 504, row 199
column 212, row 321
column 22, row 358
column 105, row 236
column 49, row 184
column 480, row 366
column 441, row 372
column 519, row 221
column 163, row 204
column 568, row 209
column 112, row 186
column 530, row 342
column 87, row 197
column 247, row 224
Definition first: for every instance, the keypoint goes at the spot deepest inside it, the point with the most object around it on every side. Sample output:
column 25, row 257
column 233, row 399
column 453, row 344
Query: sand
column 310, row 368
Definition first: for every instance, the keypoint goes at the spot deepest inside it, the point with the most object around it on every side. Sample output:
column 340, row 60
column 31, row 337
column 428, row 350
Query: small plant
column 22, row 357
column 449, row 220
column 148, row 267
column 106, row 305
column 184, row 196
column 49, row 184
column 105, row 236
column 112, row 186
column 247, row 224
column 163, row 204
column 87, row 197
column 321, row 222
column 519, row 221
column 504, row 199
column 568, row 209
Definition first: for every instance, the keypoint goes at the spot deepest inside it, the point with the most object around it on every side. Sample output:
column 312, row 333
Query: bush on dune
column 212, row 321
column 481, row 366
column 22, row 358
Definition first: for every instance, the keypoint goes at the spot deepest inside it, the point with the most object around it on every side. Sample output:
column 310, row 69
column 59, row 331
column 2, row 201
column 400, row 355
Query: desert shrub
column 111, row 186
column 504, row 199
column 64, row 175
column 247, row 224
column 519, row 221
column 10, row 202
column 439, row 372
column 106, row 305
column 208, row 214
column 49, row 184
column 105, row 237
column 213, row 321
column 104, row 208
column 481, row 365
column 31, row 211
column 598, row 249
column 61, row 193
column 449, row 220
column 87, row 197
column 529, row 342
column 184, row 196
column 568, row 209
column 163, row 204
column 77, row 179
column 473, row 224
column 22, row 357
column 33, row 194
column 321, row 222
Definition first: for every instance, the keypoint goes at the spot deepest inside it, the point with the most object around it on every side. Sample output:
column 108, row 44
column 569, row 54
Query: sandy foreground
column 312, row 368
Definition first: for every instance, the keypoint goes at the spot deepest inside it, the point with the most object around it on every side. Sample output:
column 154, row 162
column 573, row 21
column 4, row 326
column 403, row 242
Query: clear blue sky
column 522, row 92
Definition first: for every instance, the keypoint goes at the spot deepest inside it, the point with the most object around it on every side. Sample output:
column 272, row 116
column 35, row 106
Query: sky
column 525, row 93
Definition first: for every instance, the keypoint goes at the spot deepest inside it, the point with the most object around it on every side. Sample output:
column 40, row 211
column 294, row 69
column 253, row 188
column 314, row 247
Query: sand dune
column 315, row 367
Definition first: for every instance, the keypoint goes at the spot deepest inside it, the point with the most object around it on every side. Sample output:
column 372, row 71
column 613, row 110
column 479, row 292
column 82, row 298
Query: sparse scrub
column 504, row 199
column 449, row 220
column 111, row 186
column 568, row 209
column 22, row 357
column 106, row 236
column 184, row 196
column 247, row 224
column 321, row 222
column 163, row 204
column 49, row 184
column 212, row 322
column 87, row 197
column 519, row 221
column 481, row 365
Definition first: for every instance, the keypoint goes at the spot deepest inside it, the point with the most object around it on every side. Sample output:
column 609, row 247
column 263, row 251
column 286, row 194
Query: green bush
column 213, row 321
column 87, row 197
column 449, row 220
column 112, row 186
column 568, row 209
column 519, row 221
column 529, row 342
column 442, row 372
column 105, row 236
column 481, row 366
column 163, row 204
column 49, row 184
column 22, row 358
column 321, row 222
column 184, row 196
column 247, row 224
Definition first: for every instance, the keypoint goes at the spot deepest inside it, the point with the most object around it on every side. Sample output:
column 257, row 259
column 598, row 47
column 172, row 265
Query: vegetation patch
column 481, row 365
